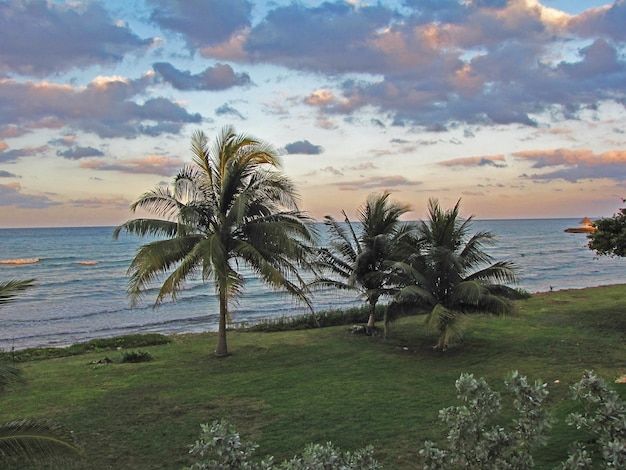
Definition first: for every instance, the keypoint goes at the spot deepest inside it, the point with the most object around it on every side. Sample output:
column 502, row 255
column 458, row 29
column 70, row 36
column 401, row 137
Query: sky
column 516, row 107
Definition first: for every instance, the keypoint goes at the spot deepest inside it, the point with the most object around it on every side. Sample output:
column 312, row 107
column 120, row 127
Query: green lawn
column 286, row 389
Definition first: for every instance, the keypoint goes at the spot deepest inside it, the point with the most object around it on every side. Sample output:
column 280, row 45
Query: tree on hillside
column 27, row 439
column 451, row 273
column 609, row 238
column 361, row 262
column 230, row 208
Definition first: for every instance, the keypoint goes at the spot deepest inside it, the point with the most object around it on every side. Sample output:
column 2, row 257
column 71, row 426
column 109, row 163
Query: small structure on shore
column 584, row 226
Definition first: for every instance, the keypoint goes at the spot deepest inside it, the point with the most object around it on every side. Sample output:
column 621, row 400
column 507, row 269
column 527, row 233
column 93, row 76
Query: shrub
column 325, row 318
column 221, row 448
column 604, row 417
column 100, row 344
column 323, row 457
column 471, row 445
column 137, row 356
column 473, row 442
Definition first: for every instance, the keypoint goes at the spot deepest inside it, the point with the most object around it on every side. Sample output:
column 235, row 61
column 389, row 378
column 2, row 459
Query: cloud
column 104, row 107
column 472, row 193
column 378, row 123
column 496, row 161
column 152, row 165
column 40, row 37
column 481, row 62
column 96, row 203
column 600, row 61
column 377, row 182
column 616, row 172
column 322, row 97
column 330, row 38
column 14, row 155
column 6, row 174
column 11, row 196
column 562, row 156
column 218, row 77
column 209, row 22
column 607, row 21
column 363, row 166
column 425, row 63
column 579, row 164
column 8, row 131
column 303, row 147
column 332, row 170
column 76, row 153
column 65, row 141
column 227, row 110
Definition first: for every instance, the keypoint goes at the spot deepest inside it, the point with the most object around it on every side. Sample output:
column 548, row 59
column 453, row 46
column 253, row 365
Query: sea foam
column 19, row 261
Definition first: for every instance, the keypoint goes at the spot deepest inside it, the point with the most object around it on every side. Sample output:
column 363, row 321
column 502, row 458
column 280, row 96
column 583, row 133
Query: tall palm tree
column 28, row 438
column 231, row 207
column 452, row 275
column 361, row 262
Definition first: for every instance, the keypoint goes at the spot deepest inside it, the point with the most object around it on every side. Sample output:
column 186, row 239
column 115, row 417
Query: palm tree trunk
column 222, row 348
column 441, row 342
column 371, row 321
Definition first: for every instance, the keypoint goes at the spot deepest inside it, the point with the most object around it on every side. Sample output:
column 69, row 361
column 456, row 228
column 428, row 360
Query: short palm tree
column 26, row 439
column 452, row 275
column 230, row 208
column 361, row 262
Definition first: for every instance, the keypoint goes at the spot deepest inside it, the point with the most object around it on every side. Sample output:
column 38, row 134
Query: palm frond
column 448, row 322
column 320, row 283
column 439, row 317
column 496, row 305
column 36, row 439
column 174, row 282
column 159, row 201
column 200, row 152
column 147, row 227
column 414, row 294
column 275, row 270
column 11, row 288
column 342, row 239
column 328, row 262
column 8, row 374
column 154, row 259
column 500, row 272
column 467, row 293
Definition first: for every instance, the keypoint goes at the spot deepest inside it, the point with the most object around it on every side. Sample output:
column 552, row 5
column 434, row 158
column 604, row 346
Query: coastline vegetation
column 287, row 389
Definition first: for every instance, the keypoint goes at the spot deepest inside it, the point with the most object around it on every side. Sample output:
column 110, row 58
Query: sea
column 81, row 280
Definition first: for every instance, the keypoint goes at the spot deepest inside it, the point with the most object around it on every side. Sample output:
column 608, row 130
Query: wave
column 20, row 261
column 86, row 263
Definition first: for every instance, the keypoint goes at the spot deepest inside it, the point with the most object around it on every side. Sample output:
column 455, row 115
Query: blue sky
column 517, row 107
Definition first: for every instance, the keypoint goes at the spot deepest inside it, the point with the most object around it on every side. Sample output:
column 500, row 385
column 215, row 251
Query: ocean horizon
column 81, row 281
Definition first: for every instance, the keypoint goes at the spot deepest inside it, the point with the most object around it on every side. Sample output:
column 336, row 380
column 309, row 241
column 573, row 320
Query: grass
column 287, row 389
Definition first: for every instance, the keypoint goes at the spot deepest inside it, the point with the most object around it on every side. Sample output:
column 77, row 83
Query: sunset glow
column 517, row 107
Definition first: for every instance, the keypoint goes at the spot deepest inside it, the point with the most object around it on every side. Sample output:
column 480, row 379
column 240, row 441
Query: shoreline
column 66, row 346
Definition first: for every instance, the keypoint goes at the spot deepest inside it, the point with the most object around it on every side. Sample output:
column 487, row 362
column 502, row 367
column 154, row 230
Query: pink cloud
column 154, row 165
column 491, row 160
column 562, row 156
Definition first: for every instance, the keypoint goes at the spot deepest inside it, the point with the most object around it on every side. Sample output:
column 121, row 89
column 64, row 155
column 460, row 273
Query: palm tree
column 230, row 208
column 28, row 438
column 452, row 275
column 361, row 262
